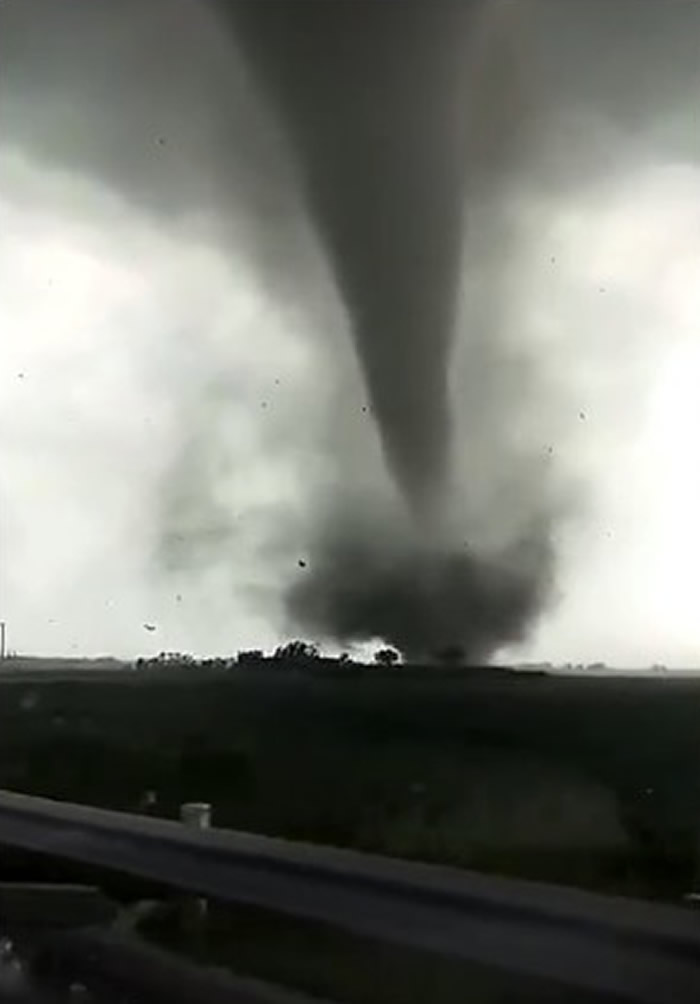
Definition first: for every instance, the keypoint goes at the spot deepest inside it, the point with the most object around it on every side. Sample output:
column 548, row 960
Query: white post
column 196, row 815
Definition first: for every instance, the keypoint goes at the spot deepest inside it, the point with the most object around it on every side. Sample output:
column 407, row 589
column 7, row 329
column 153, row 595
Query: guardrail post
column 194, row 909
column 196, row 815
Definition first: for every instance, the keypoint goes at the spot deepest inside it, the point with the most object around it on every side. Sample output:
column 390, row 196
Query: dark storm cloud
column 405, row 122
column 149, row 98
column 375, row 100
column 397, row 131
column 370, row 94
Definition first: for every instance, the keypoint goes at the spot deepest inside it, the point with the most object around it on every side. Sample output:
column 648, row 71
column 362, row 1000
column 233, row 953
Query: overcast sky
column 166, row 423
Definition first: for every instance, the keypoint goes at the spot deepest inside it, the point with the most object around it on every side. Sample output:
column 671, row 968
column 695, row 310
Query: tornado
column 374, row 99
column 429, row 139
column 393, row 134
column 369, row 94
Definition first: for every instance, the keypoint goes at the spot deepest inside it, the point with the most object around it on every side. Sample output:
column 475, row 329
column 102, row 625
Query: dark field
column 586, row 781
column 589, row 781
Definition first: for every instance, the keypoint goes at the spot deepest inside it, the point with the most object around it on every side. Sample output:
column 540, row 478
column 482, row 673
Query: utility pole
column 3, row 630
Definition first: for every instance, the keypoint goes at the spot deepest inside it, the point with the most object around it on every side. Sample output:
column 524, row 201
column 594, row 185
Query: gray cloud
column 153, row 100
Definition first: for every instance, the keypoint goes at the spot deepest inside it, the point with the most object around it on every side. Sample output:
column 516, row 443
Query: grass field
column 586, row 781
column 589, row 781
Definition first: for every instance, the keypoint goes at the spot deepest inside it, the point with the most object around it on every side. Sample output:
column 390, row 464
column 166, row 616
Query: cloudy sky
column 167, row 423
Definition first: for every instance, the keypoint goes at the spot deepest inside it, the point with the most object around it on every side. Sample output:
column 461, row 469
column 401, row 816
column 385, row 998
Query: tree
column 297, row 651
column 252, row 657
column 386, row 657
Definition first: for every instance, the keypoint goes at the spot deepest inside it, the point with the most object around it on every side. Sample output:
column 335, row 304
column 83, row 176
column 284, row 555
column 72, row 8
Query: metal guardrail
column 633, row 950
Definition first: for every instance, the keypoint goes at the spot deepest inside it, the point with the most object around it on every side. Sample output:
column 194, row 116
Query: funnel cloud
column 370, row 96
column 374, row 100
column 416, row 140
